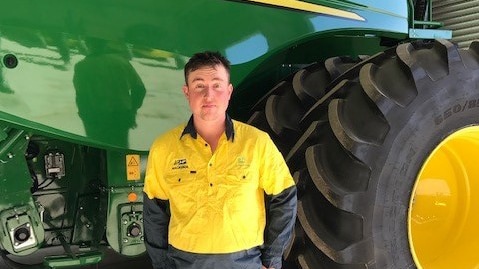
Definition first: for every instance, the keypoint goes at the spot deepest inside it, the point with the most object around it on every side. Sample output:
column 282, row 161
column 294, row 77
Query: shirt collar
column 229, row 129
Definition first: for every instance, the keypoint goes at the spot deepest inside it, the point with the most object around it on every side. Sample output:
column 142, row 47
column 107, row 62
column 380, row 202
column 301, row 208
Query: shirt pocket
column 235, row 183
column 182, row 186
column 180, row 178
column 239, row 176
column 241, row 192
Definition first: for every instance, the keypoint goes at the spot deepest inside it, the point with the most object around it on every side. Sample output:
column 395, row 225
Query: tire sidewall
column 441, row 109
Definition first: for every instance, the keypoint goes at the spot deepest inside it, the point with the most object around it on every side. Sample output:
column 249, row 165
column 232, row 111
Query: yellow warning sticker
column 132, row 167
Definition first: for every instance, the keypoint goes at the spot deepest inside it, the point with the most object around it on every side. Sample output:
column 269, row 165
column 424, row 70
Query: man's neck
column 210, row 131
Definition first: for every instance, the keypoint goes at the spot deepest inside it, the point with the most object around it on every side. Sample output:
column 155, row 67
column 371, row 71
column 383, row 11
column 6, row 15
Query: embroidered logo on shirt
column 180, row 164
column 241, row 161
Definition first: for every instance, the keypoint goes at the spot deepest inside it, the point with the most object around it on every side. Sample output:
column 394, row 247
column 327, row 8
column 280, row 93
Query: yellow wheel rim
column 443, row 217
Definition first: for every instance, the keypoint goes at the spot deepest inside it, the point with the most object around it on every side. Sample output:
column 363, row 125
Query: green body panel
column 86, row 86
column 77, row 60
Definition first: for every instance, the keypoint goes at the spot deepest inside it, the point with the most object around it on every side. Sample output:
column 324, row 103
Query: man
column 207, row 183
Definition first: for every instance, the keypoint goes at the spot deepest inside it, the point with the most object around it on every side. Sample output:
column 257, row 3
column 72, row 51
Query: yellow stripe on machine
column 300, row 5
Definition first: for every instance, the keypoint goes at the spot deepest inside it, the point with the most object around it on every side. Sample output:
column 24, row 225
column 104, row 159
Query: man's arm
column 280, row 219
column 156, row 217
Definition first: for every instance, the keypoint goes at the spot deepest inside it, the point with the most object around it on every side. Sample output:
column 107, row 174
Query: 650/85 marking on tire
column 457, row 108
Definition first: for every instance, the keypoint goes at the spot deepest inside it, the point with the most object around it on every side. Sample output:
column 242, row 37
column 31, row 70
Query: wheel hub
column 442, row 218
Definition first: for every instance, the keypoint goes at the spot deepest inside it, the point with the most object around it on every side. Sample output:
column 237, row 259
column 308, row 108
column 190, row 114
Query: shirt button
column 206, row 145
column 210, row 164
column 211, row 184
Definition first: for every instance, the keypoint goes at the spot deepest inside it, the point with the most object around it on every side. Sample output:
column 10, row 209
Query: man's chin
column 210, row 117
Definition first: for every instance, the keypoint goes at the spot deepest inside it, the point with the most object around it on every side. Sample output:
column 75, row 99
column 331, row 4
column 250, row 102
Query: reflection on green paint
column 114, row 80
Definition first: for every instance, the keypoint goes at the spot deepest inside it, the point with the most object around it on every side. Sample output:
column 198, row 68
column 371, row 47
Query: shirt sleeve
column 156, row 208
column 156, row 217
column 154, row 186
column 280, row 219
column 274, row 173
column 281, row 205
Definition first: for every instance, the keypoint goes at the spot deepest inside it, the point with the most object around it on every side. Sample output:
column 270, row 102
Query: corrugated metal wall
column 460, row 16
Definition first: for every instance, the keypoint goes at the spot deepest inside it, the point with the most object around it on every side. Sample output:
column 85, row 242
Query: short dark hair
column 206, row 58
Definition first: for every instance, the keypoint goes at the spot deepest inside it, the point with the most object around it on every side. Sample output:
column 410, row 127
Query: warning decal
column 132, row 167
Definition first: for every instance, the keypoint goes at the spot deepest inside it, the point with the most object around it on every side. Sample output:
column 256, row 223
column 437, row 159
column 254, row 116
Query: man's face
column 208, row 92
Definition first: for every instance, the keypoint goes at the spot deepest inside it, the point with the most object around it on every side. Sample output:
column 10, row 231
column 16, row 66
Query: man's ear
column 230, row 89
column 186, row 91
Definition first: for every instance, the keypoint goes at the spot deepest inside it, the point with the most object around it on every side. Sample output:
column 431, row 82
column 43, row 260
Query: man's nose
column 207, row 91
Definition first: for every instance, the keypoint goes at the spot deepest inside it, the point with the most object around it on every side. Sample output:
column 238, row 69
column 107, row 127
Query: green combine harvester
column 375, row 111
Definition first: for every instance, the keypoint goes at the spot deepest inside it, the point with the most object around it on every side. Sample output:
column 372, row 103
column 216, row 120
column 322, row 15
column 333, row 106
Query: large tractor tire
column 385, row 159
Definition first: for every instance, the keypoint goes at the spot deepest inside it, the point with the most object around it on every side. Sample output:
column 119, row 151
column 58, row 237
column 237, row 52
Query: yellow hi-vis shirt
column 216, row 199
